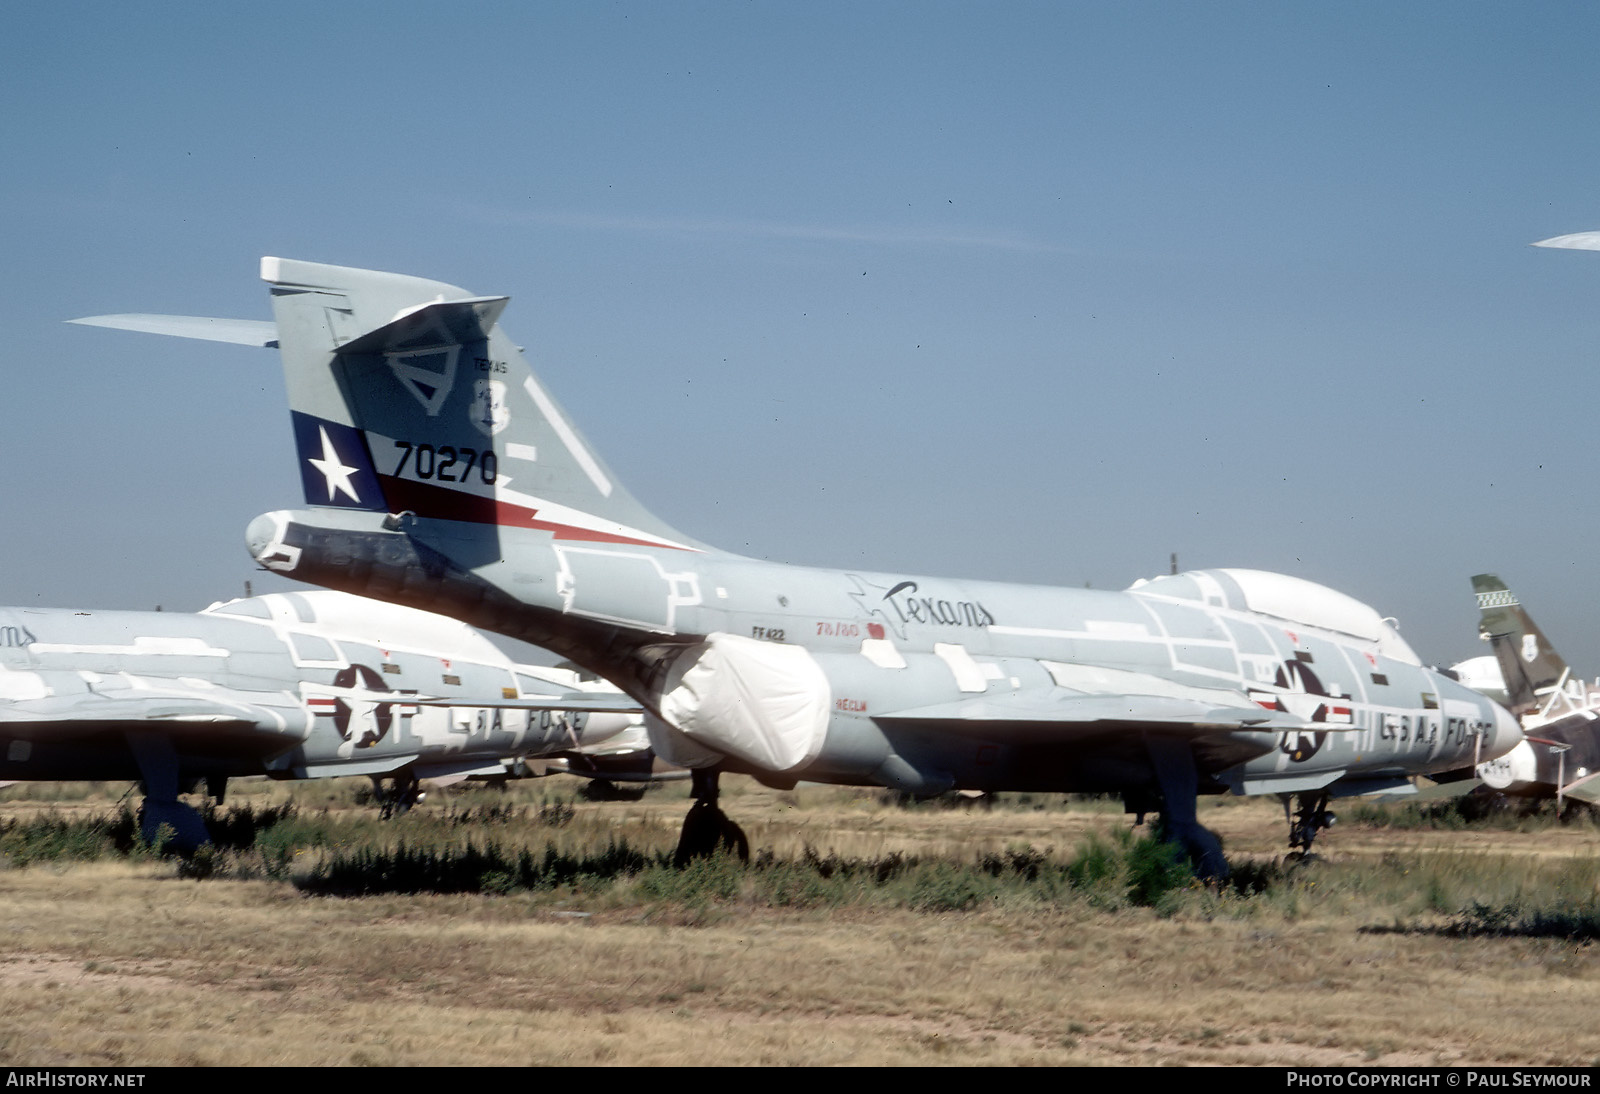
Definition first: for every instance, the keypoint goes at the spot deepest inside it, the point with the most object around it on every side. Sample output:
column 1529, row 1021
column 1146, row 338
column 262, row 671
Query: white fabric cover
column 675, row 748
column 763, row 702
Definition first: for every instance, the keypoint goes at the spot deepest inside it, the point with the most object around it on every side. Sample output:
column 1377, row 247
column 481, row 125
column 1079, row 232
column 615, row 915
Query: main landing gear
column 707, row 827
column 1305, row 822
column 185, row 830
column 400, row 796
column 1175, row 772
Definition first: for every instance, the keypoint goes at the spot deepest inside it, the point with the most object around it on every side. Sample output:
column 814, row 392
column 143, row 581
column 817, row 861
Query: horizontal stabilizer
column 1446, row 791
column 291, row 275
column 243, row 332
column 456, row 322
column 1586, row 789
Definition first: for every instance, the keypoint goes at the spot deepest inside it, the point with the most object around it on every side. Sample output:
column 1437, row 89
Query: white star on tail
column 334, row 470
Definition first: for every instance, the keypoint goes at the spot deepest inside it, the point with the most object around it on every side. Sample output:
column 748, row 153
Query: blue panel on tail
column 335, row 466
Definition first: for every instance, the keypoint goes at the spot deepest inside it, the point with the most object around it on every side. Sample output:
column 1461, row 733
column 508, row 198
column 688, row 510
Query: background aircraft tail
column 1531, row 667
column 407, row 397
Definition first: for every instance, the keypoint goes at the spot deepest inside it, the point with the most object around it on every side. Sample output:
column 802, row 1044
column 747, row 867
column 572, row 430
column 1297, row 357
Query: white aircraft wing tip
column 1577, row 241
column 242, row 332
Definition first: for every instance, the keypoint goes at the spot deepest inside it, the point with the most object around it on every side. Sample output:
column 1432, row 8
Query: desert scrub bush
column 797, row 885
column 715, row 879
column 557, row 813
column 1475, row 810
column 467, row 868
column 1156, row 873
column 274, row 863
column 1569, row 920
column 1126, row 871
column 242, row 826
column 1445, row 881
column 1024, row 860
column 1130, row 869
column 52, row 836
column 1408, row 816
column 949, row 887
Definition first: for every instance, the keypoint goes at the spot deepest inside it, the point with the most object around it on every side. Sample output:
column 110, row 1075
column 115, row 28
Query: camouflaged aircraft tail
column 1530, row 665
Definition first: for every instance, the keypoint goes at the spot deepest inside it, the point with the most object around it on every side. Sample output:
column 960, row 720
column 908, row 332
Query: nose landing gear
column 1305, row 822
column 400, row 796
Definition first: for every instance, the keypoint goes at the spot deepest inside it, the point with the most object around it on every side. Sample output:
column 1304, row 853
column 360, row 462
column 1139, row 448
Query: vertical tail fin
column 407, row 397
column 1532, row 668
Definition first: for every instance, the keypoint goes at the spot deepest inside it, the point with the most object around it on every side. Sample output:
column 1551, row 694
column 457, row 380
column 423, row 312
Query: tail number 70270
column 447, row 463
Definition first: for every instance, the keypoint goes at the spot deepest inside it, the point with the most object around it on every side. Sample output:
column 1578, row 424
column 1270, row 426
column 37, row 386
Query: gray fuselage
column 288, row 685
column 890, row 646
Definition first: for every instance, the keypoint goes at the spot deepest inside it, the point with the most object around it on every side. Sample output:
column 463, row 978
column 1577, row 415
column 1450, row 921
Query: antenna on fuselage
column 1174, row 562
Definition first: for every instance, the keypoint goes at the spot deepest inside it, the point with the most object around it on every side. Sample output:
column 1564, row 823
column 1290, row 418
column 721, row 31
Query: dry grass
column 121, row 963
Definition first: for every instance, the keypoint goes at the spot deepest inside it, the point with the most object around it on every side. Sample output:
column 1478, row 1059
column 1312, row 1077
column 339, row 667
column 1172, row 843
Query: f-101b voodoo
column 443, row 474
column 289, row 685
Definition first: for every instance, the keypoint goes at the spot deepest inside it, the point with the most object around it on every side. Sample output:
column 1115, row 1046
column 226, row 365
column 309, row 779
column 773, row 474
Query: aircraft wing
column 1068, row 729
column 1446, row 791
column 586, row 701
column 1577, row 241
column 626, row 747
column 243, row 332
column 1059, row 714
column 216, row 715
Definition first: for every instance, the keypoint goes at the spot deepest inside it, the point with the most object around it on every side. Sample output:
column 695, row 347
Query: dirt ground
column 122, row 963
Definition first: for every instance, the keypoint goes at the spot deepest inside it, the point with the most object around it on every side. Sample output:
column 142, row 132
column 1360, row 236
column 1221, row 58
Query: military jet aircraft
column 289, row 685
column 1560, row 757
column 444, row 475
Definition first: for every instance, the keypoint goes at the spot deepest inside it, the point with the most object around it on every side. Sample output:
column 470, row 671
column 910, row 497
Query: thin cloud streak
column 760, row 229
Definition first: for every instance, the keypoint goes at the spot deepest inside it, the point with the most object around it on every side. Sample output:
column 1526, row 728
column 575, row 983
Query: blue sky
column 1031, row 292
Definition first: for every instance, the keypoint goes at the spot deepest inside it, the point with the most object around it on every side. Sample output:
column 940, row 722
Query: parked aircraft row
column 441, row 473
column 291, row 686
